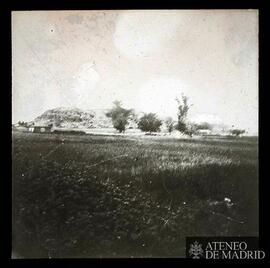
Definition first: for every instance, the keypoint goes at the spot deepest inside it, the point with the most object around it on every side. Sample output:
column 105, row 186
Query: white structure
column 204, row 132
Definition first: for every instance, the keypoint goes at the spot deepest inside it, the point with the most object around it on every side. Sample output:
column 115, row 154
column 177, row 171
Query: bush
column 237, row 132
column 149, row 123
column 169, row 124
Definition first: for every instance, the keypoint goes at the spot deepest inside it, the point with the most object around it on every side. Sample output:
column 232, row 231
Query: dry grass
column 93, row 196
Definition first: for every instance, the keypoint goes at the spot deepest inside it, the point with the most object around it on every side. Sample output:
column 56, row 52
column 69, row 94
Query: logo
column 196, row 250
column 223, row 248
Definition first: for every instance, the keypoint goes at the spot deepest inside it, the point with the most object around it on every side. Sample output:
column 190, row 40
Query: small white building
column 40, row 129
column 204, row 132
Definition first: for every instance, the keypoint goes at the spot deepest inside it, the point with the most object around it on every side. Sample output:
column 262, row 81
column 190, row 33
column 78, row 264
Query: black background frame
column 5, row 89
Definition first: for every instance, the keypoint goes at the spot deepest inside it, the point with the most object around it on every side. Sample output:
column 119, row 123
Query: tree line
column 150, row 122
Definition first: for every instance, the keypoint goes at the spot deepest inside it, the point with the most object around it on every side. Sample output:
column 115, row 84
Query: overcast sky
column 87, row 59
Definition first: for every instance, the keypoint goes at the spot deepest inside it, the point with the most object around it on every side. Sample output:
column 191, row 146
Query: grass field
column 98, row 196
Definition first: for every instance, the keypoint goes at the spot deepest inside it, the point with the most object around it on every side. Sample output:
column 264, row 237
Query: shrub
column 149, row 123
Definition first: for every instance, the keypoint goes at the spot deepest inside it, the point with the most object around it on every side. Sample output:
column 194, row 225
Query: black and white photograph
column 133, row 130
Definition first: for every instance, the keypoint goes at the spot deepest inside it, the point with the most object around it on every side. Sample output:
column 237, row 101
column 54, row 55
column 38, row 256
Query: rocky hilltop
column 76, row 118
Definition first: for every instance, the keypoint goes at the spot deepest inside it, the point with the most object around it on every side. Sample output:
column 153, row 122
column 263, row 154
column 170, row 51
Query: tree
column 23, row 124
column 119, row 116
column 237, row 132
column 149, row 123
column 204, row 125
column 183, row 108
column 169, row 124
column 190, row 129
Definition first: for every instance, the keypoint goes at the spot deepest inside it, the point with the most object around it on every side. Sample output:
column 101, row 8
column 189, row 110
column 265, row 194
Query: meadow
column 102, row 196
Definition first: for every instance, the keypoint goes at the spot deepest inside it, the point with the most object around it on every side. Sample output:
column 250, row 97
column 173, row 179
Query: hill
column 76, row 118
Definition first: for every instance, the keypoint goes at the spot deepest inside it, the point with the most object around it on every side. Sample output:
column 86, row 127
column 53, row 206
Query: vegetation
column 119, row 116
column 23, row 124
column 204, row 126
column 237, row 132
column 93, row 196
column 149, row 123
column 183, row 108
column 121, row 119
column 169, row 124
column 190, row 129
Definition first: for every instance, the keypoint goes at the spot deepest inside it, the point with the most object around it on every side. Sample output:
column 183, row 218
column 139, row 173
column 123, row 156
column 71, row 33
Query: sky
column 145, row 58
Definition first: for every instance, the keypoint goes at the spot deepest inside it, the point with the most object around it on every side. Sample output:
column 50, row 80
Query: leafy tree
column 149, row 123
column 119, row 116
column 237, row 132
column 169, row 124
column 22, row 123
column 204, row 125
column 183, row 108
column 190, row 129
